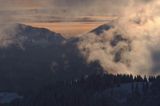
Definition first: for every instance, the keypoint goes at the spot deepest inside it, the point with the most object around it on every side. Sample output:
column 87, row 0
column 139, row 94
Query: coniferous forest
column 97, row 90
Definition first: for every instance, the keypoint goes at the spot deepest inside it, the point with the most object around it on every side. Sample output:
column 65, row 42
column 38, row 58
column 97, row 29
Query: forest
column 97, row 90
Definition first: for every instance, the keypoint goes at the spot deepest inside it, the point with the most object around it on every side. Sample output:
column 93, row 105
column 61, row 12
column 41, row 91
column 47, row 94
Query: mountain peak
column 99, row 30
column 21, row 34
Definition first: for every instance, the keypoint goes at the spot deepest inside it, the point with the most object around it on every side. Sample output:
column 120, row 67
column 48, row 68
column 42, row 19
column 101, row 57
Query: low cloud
column 130, row 44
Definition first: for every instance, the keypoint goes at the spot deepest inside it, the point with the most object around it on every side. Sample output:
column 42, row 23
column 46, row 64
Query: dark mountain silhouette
column 31, row 58
column 99, row 30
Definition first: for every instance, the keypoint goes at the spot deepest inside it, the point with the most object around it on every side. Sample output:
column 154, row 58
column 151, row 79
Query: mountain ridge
column 27, row 65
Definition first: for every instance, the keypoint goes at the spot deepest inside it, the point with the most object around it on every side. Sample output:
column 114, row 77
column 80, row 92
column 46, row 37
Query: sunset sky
column 48, row 13
column 43, row 13
column 43, row 10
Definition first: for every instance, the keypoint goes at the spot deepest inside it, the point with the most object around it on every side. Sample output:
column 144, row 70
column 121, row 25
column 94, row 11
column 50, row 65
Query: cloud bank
column 33, row 10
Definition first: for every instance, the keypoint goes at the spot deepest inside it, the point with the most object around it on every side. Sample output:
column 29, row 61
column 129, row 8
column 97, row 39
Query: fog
column 131, row 45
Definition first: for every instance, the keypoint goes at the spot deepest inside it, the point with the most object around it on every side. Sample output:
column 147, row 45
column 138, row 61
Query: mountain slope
column 99, row 30
column 124, row 48
column 109, row 45
column 31, row 58
column 23, row 35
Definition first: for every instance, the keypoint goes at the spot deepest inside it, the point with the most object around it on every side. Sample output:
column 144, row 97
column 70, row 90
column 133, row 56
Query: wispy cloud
column 47, row 9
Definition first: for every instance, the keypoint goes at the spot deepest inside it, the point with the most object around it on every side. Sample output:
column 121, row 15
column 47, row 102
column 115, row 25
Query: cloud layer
column 31, row 9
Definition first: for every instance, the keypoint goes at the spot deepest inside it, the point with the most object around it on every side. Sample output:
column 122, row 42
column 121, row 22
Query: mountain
column 39, row 67
column 108, row 45
column 31, row 58
column 117, row 47
column 22, row 35
column 99, row 30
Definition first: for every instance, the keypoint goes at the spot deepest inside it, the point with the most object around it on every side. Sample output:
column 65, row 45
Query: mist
column 131, row 44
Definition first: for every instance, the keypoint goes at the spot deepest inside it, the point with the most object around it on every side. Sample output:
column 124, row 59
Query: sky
column 42, row 10
column 48, row 11
column 42, row 13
